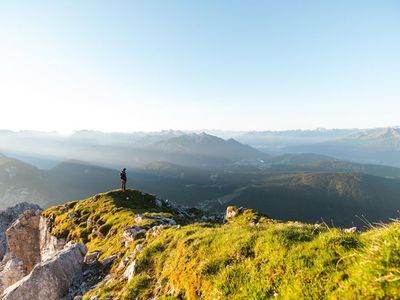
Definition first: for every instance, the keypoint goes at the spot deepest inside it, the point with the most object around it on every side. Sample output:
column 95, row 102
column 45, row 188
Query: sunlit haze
column 233, row 65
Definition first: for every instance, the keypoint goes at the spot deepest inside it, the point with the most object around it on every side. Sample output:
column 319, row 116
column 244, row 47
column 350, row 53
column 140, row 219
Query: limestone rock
column 92, row 257
column 156, row 229
column 12, row 271
column 132, row 233
column 29, row 239
column 350, row 230
column 231, row 211
column 51, row 279
column 160, row 219
column 9, row 216
column 130, row 270
column 49, row 244
column 23, row 239
column 29, row 243
column 139, row 248
column 109, row 260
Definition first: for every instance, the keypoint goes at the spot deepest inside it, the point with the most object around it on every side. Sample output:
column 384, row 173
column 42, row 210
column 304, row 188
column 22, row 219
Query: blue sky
column 235, row 65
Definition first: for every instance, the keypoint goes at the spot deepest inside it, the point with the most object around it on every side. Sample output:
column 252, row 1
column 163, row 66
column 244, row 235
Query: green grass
column 236, row 260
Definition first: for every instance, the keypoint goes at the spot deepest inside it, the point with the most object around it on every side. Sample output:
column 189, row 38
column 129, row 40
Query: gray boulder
column 9, row 216
column 131, row 270
column 131, row 234
column 51, row 279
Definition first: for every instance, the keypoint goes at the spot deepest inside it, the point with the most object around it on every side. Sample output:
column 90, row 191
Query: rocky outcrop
column 231, row 211
column 242, row 215
column 29, row 239
column 9, row 216
column 29, row 243
column 163, row 220
column 350, row 230
column 51, row 279
column 23, row 239
column 131, row 270
column 130, row 234
column 49, row 244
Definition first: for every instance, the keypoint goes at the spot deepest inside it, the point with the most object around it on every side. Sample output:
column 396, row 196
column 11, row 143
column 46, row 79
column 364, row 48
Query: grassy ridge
column 236, row 260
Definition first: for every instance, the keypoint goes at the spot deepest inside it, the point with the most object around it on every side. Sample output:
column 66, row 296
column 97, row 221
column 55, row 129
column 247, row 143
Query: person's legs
column 124, row 185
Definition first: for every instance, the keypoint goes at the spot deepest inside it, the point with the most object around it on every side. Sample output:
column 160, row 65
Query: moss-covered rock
column 245, row 216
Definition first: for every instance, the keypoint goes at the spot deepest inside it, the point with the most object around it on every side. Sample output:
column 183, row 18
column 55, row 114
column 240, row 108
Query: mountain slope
column 20, row 182
column 309, row 162
column 334, row 197
column 259, row 259
column 79, row 179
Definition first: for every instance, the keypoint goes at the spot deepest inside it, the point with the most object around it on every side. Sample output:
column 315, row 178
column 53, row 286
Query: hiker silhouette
column 123, row 179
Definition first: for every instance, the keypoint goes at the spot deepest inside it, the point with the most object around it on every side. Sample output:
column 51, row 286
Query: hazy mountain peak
column 379, row 133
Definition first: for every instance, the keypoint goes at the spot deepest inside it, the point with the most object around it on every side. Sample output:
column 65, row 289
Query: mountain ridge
column 195, row 258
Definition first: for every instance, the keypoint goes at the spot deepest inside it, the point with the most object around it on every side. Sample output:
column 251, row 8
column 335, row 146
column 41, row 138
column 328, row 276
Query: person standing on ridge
column 123, row 179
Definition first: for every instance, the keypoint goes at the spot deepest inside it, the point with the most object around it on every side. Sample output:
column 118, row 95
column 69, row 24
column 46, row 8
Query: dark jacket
column 123, row 175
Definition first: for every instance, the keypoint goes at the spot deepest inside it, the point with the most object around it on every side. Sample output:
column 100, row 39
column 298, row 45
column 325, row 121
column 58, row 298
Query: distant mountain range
column 205, row 145
column 129, row 150
column 205, row 149
column 379, row 146
column 276, row 141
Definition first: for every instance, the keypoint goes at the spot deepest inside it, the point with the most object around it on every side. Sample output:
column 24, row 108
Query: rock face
column 29, row 243
column 9, row 216
column 29, row 239
column 23, row 239
column 49, row 244
column 51, row 279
